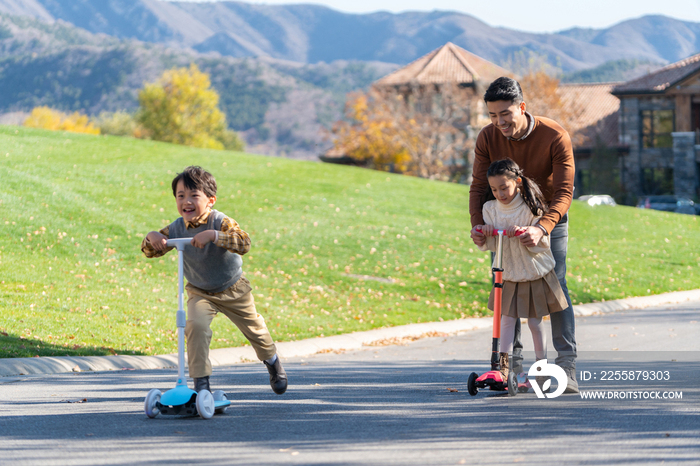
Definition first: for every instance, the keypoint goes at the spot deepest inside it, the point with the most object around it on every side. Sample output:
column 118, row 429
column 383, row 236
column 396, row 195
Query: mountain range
column 312, row 33
column 282, row 72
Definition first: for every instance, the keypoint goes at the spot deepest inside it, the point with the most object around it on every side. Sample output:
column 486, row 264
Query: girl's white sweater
column 520, row 264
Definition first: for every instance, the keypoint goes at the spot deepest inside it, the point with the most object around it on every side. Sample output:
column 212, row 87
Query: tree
column 368, row 134
column 426, row 132
column 542, row 97
column 54, row 120
column 181, row 107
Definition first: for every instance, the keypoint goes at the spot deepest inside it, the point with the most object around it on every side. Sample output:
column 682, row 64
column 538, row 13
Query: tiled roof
column 662, row 79
column 599, row 111
column 447, row 64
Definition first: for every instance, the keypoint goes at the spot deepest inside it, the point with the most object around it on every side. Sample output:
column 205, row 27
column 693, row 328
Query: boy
column 212, row 266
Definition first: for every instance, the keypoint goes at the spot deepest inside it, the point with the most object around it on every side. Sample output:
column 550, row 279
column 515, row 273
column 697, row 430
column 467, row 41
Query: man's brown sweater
column 545, row 155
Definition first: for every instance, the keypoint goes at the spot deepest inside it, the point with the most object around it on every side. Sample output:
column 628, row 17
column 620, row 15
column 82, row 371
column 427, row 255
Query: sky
column 526, row 15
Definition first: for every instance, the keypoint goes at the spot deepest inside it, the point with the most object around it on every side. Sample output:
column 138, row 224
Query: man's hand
column 514, row 231
column 531, row 236
column 202, row 239
column 157, row 240
column 478, row 236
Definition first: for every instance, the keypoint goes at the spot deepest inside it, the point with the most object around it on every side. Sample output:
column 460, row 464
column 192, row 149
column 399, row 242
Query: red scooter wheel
column 471, row 384
column 512, row 384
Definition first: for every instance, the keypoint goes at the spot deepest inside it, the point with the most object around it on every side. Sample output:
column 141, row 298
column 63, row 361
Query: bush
column 183, row 108
column 54, row 120
column 116, row 123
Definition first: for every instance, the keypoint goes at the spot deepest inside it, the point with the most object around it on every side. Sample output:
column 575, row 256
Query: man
column 543, row 150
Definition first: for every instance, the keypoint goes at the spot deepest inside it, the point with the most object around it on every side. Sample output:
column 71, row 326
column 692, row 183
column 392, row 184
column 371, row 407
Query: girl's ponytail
column 533, row 197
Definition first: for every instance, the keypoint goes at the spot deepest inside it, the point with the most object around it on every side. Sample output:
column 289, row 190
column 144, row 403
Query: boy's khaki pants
column 237, row 304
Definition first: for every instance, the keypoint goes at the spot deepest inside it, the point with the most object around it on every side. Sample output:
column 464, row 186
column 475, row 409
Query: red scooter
column 493, row 379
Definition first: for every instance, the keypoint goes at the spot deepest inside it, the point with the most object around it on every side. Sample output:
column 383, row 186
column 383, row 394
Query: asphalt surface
column 401, row 404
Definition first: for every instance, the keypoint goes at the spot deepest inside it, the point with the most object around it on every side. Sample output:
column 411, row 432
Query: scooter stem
column 181, row 317
column 497, row 300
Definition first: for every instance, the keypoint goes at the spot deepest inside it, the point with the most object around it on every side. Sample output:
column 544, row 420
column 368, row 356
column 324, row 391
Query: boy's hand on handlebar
column 157, row 240
column 202, row 239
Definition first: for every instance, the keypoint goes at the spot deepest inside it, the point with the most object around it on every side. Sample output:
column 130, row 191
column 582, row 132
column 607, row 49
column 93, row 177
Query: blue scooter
column 181, row 400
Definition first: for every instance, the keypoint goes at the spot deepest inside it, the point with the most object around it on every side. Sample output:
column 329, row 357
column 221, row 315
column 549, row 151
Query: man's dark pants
column 563, row 326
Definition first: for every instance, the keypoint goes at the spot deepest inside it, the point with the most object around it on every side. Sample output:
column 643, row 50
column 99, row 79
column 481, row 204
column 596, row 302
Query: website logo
column 542, row 369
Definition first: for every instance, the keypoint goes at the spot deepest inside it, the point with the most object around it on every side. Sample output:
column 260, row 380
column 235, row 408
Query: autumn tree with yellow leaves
column 427, row 132
column 182, row 108
column 542, row 97
column 55, row 120
column 368, row 134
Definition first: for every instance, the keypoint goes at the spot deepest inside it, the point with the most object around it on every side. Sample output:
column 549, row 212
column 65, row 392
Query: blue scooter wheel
column 150, row 403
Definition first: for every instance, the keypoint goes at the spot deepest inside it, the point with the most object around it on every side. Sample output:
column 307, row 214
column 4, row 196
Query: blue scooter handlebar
column 178, row 243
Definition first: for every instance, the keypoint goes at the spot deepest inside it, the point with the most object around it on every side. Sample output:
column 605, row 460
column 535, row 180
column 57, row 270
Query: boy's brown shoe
column 201, row 383
column 278, row 377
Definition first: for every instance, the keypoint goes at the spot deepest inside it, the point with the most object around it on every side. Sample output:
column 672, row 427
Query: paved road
column 381, row 405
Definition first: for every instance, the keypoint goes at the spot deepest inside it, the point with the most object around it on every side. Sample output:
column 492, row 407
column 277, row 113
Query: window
column 657, row 126
column 657, row 181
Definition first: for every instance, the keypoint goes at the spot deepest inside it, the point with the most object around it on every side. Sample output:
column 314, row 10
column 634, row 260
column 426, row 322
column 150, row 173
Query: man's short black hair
column 196, row 178
column 504, row 88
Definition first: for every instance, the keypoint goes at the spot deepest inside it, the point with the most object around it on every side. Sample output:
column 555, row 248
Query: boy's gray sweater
column 211, row 269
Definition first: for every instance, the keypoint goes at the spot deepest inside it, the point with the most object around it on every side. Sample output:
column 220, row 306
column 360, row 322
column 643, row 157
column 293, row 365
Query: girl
column 530, row 286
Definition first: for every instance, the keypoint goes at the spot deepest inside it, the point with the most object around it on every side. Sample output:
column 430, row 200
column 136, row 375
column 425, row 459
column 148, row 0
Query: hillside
column 335, row 249
column 311, row 33
column 280, row 107
column 612, row 71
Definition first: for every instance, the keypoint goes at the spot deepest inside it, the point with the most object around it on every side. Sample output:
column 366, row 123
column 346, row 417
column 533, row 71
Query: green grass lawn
column 75, row 209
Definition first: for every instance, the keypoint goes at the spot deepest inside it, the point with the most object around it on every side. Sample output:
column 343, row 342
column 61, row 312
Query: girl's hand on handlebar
column 514, row 231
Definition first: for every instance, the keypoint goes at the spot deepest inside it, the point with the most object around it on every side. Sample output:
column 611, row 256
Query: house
column 422, row 80
column 594, row 127
column 659, row 119
column 631, row 138
column 638, row 137
column 449, row 64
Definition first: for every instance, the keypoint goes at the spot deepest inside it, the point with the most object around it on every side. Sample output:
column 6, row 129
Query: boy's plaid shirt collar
column 201, row 220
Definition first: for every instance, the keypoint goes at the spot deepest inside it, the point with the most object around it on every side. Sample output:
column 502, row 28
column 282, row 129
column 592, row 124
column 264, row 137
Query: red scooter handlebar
column 502, row 232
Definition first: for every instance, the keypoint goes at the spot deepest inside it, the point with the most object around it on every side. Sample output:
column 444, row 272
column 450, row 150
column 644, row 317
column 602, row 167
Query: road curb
column 227, row 356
